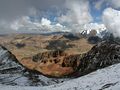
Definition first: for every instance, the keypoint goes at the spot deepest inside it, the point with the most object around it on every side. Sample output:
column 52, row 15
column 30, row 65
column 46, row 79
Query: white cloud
column 25, row 25
column 115, row 3
column 45, row 22
column 77, row 14
column 5, row 28
column 111, row 3
column 99, row 4
column 111, row 19
column 73, row 14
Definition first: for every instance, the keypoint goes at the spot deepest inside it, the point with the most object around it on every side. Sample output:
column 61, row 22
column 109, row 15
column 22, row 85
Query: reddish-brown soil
column 24, row 47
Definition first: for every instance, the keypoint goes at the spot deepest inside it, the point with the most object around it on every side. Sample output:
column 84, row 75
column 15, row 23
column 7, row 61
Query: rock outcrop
column 58, row 44
column 55, row 63
column 94, row 39
column 101, row 55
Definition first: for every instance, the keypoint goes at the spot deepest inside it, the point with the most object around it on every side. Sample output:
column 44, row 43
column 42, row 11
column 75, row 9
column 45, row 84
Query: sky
column 59, row 15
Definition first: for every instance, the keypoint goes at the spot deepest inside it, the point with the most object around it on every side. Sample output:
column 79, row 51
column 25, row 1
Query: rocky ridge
column 101, row 55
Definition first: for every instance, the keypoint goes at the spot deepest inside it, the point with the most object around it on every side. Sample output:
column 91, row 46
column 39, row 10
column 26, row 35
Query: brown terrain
column 53, row 55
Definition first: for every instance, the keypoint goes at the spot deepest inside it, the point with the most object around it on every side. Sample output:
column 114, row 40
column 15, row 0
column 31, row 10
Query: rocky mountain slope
column 101, row 55
column 53, row 63
column 8, row 62
column 59, row 63
column 103, row 79
column 25, row 47
column 13, row 73
column 29, row 70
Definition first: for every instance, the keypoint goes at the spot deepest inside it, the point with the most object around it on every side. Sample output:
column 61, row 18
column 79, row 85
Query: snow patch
column 107, row 78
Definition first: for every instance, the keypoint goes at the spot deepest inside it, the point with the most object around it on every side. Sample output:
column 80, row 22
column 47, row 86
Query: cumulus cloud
column 115, row 4
column 31, row 15
column 5, row 28
column 25, row 25
column 77, row 14
column 111, row 19
column 111, row 3
column 45, row 22
column 98, row 4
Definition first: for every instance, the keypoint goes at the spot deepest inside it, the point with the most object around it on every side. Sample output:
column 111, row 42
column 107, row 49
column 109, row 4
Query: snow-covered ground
column 104, row 79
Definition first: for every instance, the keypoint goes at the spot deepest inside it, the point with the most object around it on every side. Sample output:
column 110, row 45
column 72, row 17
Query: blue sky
column 96, row 14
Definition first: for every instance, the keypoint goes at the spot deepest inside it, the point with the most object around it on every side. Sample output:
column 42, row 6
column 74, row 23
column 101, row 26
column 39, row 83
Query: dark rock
column 108, row 85
column 47, row 55
column 55, row 63
column 102, row 55
column 58, row 44
column 71, row 36
column 94, row 39
column 20, row 45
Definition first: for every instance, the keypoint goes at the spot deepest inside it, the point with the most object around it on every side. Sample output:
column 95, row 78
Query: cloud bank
column 109, row 3
column 78, row 14
column 35, row 16
column 25, row 25
column 111, row 19
column 55, row 15
column 12, row 9
column 25, row 15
